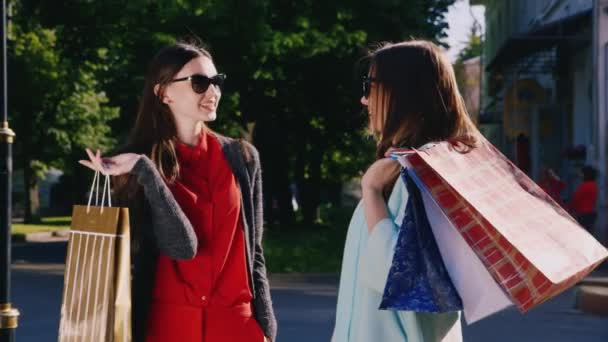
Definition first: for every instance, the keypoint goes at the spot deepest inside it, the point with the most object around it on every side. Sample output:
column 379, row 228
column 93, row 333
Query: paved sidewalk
column 304, row 304
column 554, row 321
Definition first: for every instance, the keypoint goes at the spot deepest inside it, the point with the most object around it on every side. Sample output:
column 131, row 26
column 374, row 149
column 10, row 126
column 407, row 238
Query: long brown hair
column 154, row 133
column 416, row 98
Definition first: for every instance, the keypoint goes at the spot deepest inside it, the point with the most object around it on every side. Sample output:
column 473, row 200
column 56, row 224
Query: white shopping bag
column 481, row 295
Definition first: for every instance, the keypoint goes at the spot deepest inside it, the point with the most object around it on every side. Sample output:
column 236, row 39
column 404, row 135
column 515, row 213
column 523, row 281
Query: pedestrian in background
column 584, row 199
column 552, row 184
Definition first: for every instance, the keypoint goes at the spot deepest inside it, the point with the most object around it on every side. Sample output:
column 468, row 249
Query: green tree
column 293, row 77
column 308, row 118
column 472, row 49
column 55, row 107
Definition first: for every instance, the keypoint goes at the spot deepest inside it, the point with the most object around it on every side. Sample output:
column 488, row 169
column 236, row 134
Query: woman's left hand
column 379, row 174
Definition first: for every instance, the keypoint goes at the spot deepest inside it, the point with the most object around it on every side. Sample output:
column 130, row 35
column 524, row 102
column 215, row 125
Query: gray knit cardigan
column 172, row 233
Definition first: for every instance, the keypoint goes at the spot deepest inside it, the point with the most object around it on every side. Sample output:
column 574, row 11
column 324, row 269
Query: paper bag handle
column 95, row 186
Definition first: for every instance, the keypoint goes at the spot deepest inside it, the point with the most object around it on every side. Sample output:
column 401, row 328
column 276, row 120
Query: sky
column 460, row 22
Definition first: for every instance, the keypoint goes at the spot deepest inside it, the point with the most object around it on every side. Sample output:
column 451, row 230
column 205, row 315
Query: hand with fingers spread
column 94, row 162
column 117, row 165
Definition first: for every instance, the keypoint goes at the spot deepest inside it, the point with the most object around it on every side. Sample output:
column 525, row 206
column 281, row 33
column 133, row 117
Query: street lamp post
column 8, row 315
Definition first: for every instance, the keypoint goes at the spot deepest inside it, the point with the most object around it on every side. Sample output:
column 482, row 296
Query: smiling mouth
column 208, row 106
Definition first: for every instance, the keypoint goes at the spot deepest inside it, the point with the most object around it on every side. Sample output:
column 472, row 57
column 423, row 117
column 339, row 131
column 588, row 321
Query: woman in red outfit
column 221, row 294
column 584, row 199
column 552, row 184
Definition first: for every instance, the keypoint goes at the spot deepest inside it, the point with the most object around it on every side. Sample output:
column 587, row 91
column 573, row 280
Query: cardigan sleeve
column 173, row 232
column 263, row 301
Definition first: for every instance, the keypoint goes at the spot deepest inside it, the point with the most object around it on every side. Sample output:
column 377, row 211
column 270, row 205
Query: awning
column 569, row 30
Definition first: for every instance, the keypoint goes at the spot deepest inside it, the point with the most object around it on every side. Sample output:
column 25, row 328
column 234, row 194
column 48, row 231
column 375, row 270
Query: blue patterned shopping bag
column 418, row 279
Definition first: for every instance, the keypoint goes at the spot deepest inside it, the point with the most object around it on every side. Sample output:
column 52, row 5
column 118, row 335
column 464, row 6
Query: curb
column 592, row 299
column 54, row 236
column 594, row 281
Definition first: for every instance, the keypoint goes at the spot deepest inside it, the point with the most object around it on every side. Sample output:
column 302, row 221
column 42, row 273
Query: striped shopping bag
column 96, row 303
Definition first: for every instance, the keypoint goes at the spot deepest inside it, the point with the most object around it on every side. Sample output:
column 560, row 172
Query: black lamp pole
column 8, row 315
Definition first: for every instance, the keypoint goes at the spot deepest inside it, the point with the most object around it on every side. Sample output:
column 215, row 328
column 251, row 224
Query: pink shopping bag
column 532, row 247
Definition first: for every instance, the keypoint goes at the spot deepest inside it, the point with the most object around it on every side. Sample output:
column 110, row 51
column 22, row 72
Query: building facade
column 544, row 85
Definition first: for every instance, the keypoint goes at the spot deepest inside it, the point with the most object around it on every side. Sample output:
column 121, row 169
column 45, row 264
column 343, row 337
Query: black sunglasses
column 367, row 85
column 200, row 83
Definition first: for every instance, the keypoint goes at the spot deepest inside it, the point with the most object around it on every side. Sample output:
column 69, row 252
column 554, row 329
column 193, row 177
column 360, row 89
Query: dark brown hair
column 589, row 173
column 416, row 98
column 154, row 133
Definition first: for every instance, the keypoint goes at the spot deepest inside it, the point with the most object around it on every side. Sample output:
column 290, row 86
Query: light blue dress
column 365, row 267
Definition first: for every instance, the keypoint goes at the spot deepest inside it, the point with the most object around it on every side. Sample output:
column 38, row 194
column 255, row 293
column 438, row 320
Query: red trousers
column 185, row 323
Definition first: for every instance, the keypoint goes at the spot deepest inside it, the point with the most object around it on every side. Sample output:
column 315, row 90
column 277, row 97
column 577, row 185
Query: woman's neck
column 188, row 132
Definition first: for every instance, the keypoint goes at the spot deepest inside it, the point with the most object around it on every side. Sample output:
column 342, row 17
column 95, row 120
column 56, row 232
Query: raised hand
column 94, row 163
column 117, row 165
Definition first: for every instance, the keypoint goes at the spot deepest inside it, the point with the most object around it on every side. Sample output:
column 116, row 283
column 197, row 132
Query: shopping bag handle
column 95, row 186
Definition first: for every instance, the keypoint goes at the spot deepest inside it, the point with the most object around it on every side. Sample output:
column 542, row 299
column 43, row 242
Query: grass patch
column 314, row 249
column 307, row 249
column 48, row 224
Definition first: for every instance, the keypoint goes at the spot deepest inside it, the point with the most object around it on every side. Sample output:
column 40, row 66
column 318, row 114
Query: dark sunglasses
column 200, row 83
column 367, row 85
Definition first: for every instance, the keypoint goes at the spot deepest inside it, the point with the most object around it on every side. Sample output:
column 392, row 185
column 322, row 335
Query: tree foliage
column 293, row 76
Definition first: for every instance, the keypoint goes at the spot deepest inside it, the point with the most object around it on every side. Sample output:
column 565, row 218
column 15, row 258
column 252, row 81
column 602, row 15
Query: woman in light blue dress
column 412, row 99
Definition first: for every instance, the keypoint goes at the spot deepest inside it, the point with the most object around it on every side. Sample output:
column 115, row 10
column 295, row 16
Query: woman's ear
column 163, row 97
